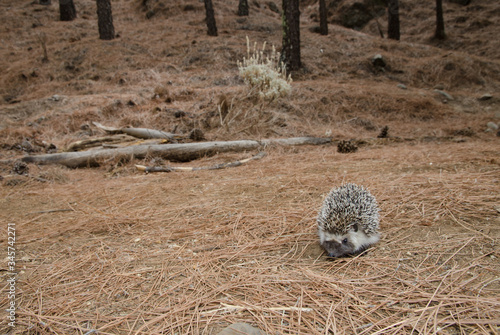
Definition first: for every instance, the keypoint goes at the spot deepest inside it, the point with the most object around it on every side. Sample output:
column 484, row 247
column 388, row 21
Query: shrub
column 265, row 75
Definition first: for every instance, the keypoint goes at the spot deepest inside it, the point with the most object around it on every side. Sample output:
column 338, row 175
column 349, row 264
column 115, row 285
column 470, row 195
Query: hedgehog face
column 352, row 242
column 339, row 246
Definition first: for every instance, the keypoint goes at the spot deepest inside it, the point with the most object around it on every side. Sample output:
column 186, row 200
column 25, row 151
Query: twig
column 42, row 38
column 53, row 211
column 148, row 169
column 229, row 308
column 468, row 228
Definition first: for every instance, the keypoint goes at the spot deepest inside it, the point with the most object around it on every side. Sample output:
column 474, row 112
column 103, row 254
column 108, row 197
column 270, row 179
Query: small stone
column 492, row 125
column 485, row 97
column 444, row 94
column 55, row 97
column 241, row 328
column 402, row 86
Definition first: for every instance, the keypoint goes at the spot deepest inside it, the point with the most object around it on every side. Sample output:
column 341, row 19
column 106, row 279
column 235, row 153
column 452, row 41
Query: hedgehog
column 348, row 221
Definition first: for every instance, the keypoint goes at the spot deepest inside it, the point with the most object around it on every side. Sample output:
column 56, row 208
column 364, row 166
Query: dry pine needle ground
column 190, row 253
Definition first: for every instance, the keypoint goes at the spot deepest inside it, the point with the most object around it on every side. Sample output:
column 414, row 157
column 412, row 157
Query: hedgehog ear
column 355, row 227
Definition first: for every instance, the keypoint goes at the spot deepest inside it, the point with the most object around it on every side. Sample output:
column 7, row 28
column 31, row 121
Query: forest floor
column 111, row 250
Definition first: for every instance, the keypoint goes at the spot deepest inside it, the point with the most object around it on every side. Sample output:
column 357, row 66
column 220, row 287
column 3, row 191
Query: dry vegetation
column 113, row 251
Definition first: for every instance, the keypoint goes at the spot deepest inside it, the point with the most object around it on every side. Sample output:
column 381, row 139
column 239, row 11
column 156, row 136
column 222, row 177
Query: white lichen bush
column 264, row 74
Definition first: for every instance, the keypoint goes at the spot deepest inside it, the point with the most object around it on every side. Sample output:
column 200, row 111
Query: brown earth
column 120, row 252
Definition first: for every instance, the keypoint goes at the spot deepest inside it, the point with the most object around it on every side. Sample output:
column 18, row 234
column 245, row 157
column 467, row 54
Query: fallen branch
column 143, row 133
column 180, row 152
column 95, row 142
column 53, row 211
column 148, row 169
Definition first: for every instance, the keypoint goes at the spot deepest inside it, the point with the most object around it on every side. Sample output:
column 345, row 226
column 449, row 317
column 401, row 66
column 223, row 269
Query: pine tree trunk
column 105, row 20
column 67, row 10
column 212, row 27
column 323, row 23
column 393, row 15
column 243, row 8
column 290, row 52
column 440, row 34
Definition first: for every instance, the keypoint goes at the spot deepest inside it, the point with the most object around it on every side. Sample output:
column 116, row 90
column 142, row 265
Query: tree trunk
column 243, row 8
column 105, row 20
column 393, row 15
column 290, row 52
column 440, row 34
column 67, row 10
column 212, row 27
column 323, row 23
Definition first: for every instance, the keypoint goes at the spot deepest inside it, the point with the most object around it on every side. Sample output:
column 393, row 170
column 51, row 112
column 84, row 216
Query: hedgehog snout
column 338, row 249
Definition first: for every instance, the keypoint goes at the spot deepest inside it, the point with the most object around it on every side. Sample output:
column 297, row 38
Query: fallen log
column 182, row 152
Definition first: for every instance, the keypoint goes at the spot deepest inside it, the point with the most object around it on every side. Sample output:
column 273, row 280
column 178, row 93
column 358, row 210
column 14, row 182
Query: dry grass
column 194, row 252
